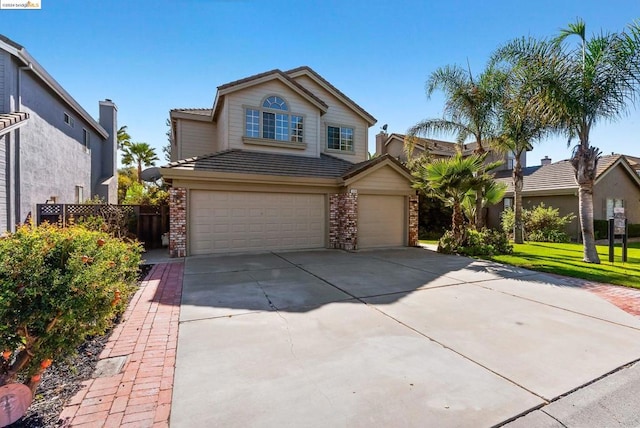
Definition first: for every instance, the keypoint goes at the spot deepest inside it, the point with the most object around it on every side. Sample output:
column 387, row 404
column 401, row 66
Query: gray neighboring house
column 51, row 149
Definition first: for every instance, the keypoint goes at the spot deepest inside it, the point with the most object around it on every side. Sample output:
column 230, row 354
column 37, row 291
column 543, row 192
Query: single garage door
column 381, row 221
column 222, row 222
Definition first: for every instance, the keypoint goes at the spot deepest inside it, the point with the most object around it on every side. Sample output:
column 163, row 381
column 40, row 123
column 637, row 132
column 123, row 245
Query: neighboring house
column 617, row 184
column 394, row 145
column 51, row 149
column 280, row 162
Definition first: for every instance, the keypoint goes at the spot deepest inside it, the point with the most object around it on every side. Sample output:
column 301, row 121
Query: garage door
column 222, row 222
column 381, row 221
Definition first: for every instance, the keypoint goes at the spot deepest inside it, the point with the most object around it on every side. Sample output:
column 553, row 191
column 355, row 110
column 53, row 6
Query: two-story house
column 280, row 162
column 51, row 149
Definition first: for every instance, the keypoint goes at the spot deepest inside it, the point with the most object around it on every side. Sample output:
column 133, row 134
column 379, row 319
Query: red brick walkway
column 140, row 395
column 626, row 298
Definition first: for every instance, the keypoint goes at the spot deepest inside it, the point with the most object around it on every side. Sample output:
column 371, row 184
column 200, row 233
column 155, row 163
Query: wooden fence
column 147, row 222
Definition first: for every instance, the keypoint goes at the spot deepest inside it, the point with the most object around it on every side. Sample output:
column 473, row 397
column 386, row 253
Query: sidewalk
column 140, row 394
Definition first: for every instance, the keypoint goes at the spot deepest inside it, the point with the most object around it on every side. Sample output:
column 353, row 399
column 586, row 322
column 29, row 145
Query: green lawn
column 566, row 259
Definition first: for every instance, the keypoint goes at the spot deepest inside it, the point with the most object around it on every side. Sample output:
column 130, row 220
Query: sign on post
column 618, row 226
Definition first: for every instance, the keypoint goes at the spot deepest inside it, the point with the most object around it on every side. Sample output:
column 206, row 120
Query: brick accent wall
column 177, row 222
column 343, row 221
column 413, row 221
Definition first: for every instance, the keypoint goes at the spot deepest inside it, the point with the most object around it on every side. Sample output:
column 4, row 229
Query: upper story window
column 273, row 122
column 86, row 139
column 68, row 120
column 508, row 203
column 340, row 138
column 511, row 160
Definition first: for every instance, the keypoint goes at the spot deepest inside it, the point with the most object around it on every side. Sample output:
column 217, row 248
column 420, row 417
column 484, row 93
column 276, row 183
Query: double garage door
column 223, row 222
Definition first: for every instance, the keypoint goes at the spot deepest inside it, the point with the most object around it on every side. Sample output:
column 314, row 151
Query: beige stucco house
column 617, row 185
column 278, row 163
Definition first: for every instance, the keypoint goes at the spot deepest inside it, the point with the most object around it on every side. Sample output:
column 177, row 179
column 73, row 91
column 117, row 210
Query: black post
column 624, row 242
column 611, row 240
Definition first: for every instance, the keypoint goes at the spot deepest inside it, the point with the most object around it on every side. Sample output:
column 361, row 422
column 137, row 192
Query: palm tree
column 492, row 193
column 450, row 179
column 468, row 111
column 582, row 85
column 124, row 139
column 139, row 154
column 520, row 125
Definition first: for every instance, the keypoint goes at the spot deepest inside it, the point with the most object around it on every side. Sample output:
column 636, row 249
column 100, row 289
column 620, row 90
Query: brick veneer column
column 343, row 221
column 177, row 222
column 350, row 221
column 413, row 221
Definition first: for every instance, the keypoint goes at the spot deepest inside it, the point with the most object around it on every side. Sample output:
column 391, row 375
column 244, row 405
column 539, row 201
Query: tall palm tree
column 139, row 154
column 450, row 179
column 596, row 80
column 468, row 111
column 520, row 125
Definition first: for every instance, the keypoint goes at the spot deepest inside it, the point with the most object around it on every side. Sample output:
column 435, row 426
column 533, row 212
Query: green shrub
column 487, row 242
column 541, row 224
column 634, row 230
column 601, row 229
column 57, row 286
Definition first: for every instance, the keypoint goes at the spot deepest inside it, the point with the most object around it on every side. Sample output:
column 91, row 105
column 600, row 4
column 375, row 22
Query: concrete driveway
column 402, row 337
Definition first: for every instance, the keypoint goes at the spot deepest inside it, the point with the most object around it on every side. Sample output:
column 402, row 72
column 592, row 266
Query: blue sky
column 150, row 57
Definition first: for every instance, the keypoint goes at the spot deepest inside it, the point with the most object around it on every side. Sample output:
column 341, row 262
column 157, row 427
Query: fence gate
column 146, row 222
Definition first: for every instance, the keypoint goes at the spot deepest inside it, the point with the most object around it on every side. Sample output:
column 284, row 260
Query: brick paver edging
column 626, row 298
column 140, row 395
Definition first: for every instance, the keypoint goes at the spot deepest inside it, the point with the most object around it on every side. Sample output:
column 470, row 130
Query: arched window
column 275, row 102
column 266, row 124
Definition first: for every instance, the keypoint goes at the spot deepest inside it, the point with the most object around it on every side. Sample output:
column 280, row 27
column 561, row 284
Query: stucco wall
column 52, row 158
column 617, row 184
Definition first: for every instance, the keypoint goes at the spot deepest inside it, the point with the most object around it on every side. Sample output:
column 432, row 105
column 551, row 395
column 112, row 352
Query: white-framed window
column 69, row 120
column 86, row 139
column 611, row 204
column 508, row 203
column 274, row 121
column 340, row 138
column 511, row 160
column 79, row 194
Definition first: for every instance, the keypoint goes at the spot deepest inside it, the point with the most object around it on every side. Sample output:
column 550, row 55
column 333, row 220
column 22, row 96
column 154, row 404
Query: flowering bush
column 57, row 286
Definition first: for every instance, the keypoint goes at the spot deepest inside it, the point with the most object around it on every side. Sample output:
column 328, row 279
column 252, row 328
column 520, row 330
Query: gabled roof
column 559, row 178
column 249, row 162
column 237, row 161
column 257, row 79
column 308, row 71
column 434, row 146
column 10, row 121
column 20, row 52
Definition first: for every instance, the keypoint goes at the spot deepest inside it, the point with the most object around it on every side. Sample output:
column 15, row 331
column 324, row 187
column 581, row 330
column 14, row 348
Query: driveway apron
column 393, row 337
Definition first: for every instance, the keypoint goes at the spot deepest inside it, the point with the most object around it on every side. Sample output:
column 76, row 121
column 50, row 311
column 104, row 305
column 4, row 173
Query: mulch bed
column 62, row 380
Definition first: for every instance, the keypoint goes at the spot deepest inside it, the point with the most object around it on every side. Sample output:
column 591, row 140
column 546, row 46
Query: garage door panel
column 249, row 221
column 381, row 221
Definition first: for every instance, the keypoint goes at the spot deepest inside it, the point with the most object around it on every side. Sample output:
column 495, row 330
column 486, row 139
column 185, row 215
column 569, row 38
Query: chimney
column 381, row 137
column 109, row 155
column 545, row 161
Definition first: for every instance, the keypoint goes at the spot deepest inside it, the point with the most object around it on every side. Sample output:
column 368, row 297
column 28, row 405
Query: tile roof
column 249, row 162
column 555, row 176
column 9, row 119
column 436, row 145
column 198, row 111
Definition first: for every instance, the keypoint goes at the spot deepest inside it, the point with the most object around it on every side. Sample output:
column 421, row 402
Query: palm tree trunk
column 140, row 172
column 585, row 161
column 518, row 182
column 457, row 221
column 479, row 220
